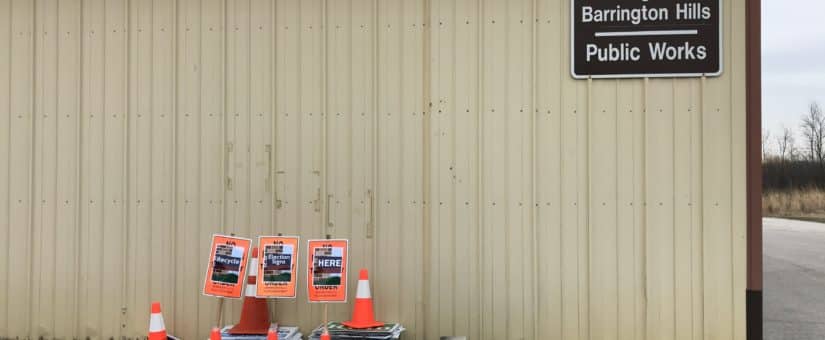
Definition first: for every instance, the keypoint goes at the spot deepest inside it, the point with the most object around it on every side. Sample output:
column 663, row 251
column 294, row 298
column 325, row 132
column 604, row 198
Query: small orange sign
column 226, row 270
column 327, row 270
column 278, row 266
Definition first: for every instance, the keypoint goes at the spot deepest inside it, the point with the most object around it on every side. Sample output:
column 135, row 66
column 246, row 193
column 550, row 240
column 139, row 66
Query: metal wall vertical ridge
column 31, row 167
column 481, row 197
column 6, row 178
column 426, row 166
column 31, row 182
column 534, row 112
column 36, row 249
column 126, row 196
column 78, row 211
column 273, row 171
column 175, row 117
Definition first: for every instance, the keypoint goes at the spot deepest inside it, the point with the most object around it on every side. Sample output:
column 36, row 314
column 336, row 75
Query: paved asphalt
column 794, row 292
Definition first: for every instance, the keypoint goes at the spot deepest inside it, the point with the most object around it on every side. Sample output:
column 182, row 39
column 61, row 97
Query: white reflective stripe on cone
column 156, row 323
column 252, row 289
column 363, row 290
column 253, row 269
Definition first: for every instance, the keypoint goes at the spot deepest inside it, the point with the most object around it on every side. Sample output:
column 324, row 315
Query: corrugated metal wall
column 490, row 193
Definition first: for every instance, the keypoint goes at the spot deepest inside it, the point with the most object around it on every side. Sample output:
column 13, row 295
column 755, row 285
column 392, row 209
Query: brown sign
column 641, row 38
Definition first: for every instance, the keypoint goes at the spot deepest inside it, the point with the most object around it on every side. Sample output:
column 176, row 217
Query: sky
column 793, row 61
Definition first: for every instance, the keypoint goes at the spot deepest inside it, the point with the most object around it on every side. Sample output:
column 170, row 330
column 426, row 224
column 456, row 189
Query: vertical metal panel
column 685, row 106
column 604, row 229
column 442, row 187
column 400, row 196
column 659, row 207
column 311, row 30
column 67, row 166
column 17, row 241
column 115, row 116
column 191, row 119
column 210, row 195
column 91, row 160
column 697, row 210
column 6, row 32
column 464, row 21
column 43, row 216
column 549, row 72
column 237, row 129
column 630, row 233
column 289, row 165
column 488, row 192
column 260, row 124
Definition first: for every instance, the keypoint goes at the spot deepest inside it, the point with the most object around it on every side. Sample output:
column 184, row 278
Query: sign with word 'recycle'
column 226, row 268
column 646, row 38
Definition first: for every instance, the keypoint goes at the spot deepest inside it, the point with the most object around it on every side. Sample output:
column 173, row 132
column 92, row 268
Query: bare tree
column 766, row 139
column 786, row 145
column 813, row 130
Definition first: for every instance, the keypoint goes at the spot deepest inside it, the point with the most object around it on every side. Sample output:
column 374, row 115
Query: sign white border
column 296, row 260
column 650, row 75
column 243, row 281
column 346, row 270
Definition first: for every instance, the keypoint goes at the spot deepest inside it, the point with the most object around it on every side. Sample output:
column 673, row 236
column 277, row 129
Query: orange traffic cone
column 215, row 334
column 325, row 335
column 273, row 334
column 255, row 312
column 362, row 314
column 157, row 330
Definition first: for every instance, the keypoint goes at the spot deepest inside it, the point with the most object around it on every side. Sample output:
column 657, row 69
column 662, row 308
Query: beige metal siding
column 490, row 194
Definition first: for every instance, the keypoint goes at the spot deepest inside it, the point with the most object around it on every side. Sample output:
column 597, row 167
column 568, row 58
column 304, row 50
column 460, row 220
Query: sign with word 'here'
column 646, row 38
column 327, row 270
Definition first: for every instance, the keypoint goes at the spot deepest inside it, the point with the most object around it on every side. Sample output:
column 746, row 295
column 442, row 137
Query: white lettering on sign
column 664, row 51
column 622, row 52
column 692, row 11
column 634, row 16
column 278, row 259
column 228, row 260
column 329, row 263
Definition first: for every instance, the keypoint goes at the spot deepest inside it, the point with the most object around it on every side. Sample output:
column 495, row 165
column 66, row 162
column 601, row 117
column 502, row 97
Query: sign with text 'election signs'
column 277, row 266
column 327, row 270
column 646, row 38
column 226, row 269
